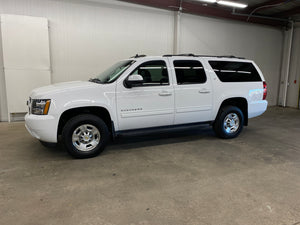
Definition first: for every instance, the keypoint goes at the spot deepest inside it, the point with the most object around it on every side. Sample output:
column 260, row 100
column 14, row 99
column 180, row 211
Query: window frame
column 152, row 85
column 236, row 81
column 201, row 63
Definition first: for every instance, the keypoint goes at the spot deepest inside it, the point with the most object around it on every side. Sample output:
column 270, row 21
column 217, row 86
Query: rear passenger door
column 193, row 91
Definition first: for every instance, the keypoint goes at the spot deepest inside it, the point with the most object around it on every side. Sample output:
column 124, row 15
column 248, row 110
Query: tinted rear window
column 189, row 72
column 235, row 71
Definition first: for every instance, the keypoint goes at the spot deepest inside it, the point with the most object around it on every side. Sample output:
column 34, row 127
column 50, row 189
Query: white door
column 148, row 105
column 193, row 91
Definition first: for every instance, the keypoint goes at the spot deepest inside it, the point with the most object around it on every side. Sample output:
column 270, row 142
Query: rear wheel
column 85, row 136
column 229, row 122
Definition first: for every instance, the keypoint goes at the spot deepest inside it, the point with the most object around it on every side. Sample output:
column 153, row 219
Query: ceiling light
column 232, row 4
column 208, row 1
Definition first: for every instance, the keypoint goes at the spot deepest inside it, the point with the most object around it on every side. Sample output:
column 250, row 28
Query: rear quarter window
column 228, row 71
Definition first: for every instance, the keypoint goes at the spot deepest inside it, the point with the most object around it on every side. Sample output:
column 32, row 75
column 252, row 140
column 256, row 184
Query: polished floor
column 182, row 177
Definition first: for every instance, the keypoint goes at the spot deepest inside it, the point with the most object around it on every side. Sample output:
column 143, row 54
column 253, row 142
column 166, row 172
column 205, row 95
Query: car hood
column 60, row 88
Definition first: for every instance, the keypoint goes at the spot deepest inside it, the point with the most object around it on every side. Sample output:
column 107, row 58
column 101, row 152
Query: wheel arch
column 99, row 111
column 239, row 102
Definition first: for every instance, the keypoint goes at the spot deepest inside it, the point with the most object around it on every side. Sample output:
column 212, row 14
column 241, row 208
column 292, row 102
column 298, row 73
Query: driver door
column 152, row 103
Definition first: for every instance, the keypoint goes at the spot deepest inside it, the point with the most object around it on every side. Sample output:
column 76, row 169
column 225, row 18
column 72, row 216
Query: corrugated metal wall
column 260, row 43
column 87, row 36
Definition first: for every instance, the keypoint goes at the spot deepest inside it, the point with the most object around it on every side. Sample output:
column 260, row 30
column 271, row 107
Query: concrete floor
column 188, row 177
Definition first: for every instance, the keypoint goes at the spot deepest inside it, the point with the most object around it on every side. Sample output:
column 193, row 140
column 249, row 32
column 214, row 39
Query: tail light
column 265, row 90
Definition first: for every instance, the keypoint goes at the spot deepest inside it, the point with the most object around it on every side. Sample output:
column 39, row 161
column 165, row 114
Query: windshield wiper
column 95, row 80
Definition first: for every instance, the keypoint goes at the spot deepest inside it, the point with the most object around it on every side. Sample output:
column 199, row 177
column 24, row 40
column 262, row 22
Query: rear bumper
column 257, row 108
column 43, row 127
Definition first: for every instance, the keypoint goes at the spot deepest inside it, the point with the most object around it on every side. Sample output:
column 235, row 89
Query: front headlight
column 40, row 106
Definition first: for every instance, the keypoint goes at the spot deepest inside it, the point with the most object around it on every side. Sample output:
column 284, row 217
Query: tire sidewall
column 77, row 121
column 220, row 122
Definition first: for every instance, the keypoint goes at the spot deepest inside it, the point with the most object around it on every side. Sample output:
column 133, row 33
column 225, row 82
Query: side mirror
column 134, row 80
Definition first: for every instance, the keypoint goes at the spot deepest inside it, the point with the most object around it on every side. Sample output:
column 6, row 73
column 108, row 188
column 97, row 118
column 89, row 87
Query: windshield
column 112, row 73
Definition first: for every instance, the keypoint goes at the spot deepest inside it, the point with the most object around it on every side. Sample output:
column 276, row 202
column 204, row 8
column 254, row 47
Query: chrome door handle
column 165, row 93
column 204, row 91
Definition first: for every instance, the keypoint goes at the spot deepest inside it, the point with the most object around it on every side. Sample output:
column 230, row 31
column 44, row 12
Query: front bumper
column 42, row 127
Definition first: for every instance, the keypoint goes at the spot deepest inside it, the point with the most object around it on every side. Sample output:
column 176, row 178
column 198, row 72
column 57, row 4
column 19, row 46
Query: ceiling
column 268, row 12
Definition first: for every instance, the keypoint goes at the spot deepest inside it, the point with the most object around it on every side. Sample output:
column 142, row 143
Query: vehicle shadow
column 150, row 139
column 142, row 139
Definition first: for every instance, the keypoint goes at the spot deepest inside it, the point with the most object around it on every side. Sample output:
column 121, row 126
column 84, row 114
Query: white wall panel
column 263, row 44
column 87, row 37
column 22, row 82
column 25, row 42
column 26, row 58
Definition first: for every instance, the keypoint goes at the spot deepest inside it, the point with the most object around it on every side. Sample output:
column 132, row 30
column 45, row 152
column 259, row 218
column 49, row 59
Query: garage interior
column 179, row 177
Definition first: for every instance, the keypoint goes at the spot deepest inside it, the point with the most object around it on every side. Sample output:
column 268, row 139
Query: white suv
column 148, row 92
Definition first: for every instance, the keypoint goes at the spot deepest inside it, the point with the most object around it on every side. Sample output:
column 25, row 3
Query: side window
column 235, row 71
column 189, row 72
column 154, row 73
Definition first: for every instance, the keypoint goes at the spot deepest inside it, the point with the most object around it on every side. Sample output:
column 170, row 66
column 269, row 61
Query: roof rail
column 218, row 56
column 221, row 56
column 170, row 55
column 230, row 56
column 138, row 56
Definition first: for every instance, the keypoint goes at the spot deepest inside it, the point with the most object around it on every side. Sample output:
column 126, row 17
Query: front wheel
column 229, row 122
column 85, row 136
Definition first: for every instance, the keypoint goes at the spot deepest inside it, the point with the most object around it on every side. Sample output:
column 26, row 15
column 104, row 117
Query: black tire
column 219, row 124
column 48, row 144
column 74, row 124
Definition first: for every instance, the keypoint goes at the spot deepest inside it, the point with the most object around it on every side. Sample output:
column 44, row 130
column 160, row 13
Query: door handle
column 204, row 91
column 165, row 93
